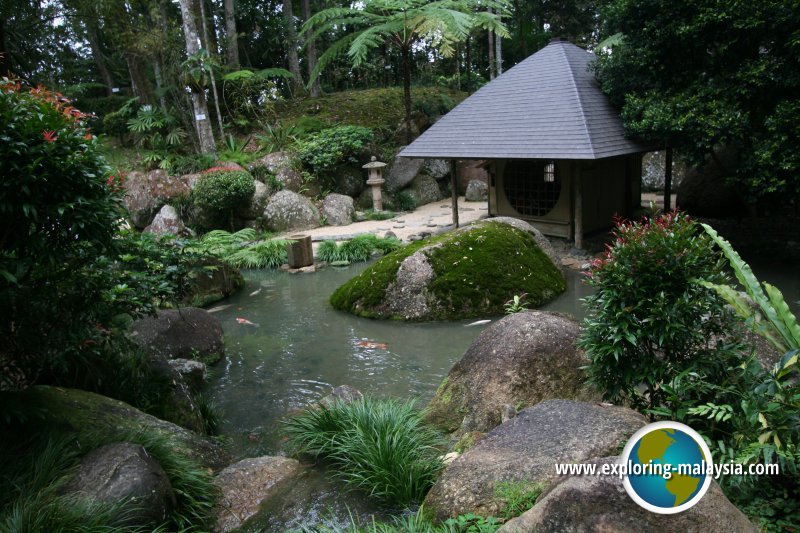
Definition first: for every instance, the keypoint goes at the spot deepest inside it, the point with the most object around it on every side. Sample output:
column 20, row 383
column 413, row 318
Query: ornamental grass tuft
column 382, row 447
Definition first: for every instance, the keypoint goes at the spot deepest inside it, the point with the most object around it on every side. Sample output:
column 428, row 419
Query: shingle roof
column 547, row 107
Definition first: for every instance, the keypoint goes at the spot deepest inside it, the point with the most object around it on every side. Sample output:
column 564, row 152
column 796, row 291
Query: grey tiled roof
column 547, row 107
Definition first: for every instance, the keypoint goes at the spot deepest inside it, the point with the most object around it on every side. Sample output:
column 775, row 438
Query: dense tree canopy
column 701, row 74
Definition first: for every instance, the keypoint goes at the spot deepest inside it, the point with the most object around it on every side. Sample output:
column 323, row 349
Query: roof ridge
column 588, row 131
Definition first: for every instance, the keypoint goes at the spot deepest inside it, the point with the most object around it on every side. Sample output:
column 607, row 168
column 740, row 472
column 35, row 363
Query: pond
column 295, row 347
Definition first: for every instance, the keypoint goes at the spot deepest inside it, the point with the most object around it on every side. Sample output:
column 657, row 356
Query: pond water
column 298, row 347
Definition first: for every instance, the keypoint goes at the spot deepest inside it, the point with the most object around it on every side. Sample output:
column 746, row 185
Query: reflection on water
column 298, row 347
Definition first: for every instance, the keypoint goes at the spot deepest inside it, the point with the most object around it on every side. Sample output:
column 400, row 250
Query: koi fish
column 219, row 308
column 255, row 292
column 246, row 322
column 373, row 345
column 478, row 323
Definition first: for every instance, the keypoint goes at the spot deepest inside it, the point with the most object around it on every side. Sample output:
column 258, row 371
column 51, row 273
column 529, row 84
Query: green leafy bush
column 434, row 105
column 382, row 447
column 222, row 190
column 57, row 216
column 648, row 321
column 321, row 153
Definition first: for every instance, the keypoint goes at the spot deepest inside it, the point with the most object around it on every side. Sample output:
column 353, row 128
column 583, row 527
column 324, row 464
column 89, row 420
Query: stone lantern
column 375, row 180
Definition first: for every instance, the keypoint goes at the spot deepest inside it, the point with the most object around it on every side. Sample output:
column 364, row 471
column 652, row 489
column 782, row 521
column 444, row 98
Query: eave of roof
column 547, row 107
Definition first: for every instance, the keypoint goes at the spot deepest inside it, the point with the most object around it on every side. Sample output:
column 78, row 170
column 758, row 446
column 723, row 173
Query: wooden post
column 668, row 181
column 454, row 187
column 300, row 252
column 578, row 210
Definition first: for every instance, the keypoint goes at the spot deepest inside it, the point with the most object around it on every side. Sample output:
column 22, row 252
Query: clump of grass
column 359, row 248
column 382, row 447
column 34, row 470
column 518, row 496
column 243, row 249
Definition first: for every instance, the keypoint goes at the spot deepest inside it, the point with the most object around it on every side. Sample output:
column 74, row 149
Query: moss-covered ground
column 371, row 108
column 476, row 272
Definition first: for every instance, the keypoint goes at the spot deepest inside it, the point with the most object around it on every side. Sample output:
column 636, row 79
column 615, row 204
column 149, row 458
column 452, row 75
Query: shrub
column 321, row 153
column 222, row 190
column 380, row 446
column 648, row 321
column 58, row 216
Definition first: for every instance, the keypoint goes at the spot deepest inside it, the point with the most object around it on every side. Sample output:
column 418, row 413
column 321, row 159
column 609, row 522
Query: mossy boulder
column 214, row 282
column 518, row 361
column 85, row 414
column 469, row 272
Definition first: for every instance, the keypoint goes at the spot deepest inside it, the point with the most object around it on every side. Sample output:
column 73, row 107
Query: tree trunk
column 668, row 181
column 211, row 69
column 5, row 61
column 160, row 85
column 406, row 52
column 311, row 51
column 199, row 105
column 291, row 45
column 209, row 28
column 491, row 53
column 97, row 55
column 231, row 39
column 498, row 54
column 469, row 65
column 140, row 83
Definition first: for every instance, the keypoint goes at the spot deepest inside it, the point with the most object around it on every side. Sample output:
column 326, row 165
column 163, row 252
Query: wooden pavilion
column 553, row 145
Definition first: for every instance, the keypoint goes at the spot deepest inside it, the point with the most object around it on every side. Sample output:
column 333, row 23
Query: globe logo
column 668, row 467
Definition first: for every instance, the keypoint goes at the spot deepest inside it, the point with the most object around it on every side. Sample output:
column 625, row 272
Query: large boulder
column 84, row 415
column 124, row 472
column 244, row 485
column 472, row 271
column 519, row 361
column 289, row 211
column 215, row 281
column 280, row 164
column 525, row 450
column 402, row 172
column 338, row 209
column 350, row 181
column 186, row 333
column 178, row 401
column 438, row 169
column 477, row 191
column 704, row 191
column 424, row 190
column 600, row 503
column 167, row 222
column 254, row 207
column 192, row 372
column 146, row 193
column 470, row 170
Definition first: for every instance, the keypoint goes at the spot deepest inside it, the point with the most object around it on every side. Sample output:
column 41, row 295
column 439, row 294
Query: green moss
column 480, row 270
column 366, row 291
column 467, row 441
column 476, row 271
column 372, row 108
